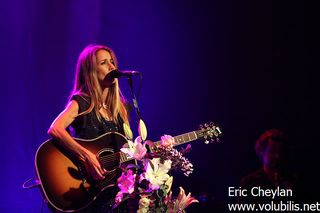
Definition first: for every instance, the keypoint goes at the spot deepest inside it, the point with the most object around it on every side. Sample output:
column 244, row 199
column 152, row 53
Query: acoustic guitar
column 63, row 179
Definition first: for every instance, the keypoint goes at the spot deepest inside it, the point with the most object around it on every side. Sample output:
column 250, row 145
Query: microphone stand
column 142, row 127
column 134, row 98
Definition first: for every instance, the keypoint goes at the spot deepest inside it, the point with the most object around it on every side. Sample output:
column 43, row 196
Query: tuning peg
column 219, row 130
column 214, row 140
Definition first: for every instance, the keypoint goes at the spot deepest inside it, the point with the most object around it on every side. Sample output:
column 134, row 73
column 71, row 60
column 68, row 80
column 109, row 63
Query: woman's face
column 105, row 64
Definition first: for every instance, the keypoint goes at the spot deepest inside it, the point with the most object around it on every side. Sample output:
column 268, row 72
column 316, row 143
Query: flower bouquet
column 149, row 178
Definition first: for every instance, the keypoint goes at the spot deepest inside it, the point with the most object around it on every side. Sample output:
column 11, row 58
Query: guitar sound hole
column 108, row 159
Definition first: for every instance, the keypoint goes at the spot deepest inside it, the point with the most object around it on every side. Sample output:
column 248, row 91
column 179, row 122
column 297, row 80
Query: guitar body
column 63, row 180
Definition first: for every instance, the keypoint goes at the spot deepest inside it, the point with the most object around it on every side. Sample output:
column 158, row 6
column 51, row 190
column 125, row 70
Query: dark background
column 246, row 65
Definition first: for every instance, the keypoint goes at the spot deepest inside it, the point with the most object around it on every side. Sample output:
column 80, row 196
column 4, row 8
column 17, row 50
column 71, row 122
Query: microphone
column 122, row 73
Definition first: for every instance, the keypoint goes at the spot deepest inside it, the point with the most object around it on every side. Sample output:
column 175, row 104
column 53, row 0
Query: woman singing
column 96, row 106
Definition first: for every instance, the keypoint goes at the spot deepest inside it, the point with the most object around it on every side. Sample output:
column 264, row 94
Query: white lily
column 156, row 172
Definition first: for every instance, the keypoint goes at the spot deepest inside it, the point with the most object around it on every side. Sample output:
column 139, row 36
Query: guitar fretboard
column 124, row 157
column 181, row 139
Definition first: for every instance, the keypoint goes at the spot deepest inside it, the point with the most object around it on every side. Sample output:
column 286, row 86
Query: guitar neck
column 181, row 139
column 123, row 157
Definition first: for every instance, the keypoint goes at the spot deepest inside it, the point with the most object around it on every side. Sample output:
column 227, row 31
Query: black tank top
column 88, row 126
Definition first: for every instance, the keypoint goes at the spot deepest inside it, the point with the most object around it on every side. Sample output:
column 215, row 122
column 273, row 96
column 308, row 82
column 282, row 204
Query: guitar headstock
column 210, row 132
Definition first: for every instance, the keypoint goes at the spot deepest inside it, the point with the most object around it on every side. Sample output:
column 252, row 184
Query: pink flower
column 183, row 201
column 136, row 149
column 118, row 199
column 168, row 198
column 126, row 182
column 167, row 141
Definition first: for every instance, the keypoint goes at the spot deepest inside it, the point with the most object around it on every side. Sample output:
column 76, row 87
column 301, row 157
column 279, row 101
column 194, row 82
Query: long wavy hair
column 86, row 83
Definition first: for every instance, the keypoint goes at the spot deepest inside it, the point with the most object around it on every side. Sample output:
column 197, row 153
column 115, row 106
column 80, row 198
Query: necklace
column 105, row 113
column 104, row 106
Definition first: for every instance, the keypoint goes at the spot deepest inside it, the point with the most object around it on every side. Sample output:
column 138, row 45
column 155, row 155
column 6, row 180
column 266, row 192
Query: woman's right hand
column 93, row 166
column 58, row 130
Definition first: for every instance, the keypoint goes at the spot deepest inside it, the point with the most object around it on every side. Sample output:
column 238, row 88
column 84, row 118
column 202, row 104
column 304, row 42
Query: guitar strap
column 81, row 109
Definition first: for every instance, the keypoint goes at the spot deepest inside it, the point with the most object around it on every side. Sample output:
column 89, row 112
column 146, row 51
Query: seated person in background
column 272, row 149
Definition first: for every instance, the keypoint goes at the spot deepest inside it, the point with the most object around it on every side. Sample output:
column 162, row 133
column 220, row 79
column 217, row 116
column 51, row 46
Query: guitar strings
column 108, row 157
column 110, row 160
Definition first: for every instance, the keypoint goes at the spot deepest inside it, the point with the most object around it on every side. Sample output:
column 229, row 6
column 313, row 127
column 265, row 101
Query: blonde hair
column 86, row 83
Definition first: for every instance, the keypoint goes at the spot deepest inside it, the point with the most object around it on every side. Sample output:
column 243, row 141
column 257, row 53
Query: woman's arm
column 58, row 131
